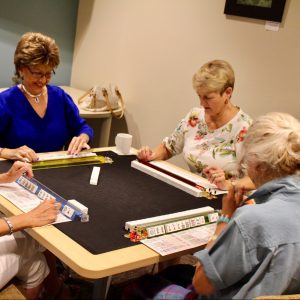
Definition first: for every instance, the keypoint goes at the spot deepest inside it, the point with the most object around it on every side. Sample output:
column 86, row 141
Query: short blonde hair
column 35, row 48
column 274, row 139
column 215, row 75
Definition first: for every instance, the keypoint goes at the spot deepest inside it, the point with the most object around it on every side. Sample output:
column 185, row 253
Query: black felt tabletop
column 122, row 194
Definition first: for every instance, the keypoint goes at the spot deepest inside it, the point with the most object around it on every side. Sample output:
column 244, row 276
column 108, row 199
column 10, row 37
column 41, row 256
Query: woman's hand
column 23, row 153
column 160, row 152
column 216, row 176
column 43, row 214
column 17, row 169
column 232, row 200
column 201, row 283
column 145, row 154
column 78, row 143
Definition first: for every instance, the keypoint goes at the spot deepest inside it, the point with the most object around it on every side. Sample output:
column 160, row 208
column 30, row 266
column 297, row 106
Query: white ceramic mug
column 123, row 143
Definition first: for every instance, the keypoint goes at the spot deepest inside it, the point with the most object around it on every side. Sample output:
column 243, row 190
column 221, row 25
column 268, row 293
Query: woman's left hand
column 78, row 143
column 216, row 176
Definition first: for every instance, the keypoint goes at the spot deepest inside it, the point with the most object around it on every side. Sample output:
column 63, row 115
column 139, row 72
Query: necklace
column 35, row 97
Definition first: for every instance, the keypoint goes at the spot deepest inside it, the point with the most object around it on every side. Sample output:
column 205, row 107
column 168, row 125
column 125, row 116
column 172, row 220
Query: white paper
column 272, row 26
column 24, row 200
column 182, row 240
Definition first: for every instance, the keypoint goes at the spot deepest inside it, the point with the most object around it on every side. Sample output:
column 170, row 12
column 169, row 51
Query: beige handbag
column 103, row 99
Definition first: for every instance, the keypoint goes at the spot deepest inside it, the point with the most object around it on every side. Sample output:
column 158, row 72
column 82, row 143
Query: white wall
column 151, row 49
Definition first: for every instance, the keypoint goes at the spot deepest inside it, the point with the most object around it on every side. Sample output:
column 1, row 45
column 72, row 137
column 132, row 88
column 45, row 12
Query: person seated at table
column 21, row 255
column 34, row 115
column 210, row 136
column 256, row 248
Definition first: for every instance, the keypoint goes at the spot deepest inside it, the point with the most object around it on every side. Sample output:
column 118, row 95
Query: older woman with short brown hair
column 34, row 115
column 210, row 136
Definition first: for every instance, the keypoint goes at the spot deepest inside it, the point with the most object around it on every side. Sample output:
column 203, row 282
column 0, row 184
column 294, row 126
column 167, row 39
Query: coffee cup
column 123, row 143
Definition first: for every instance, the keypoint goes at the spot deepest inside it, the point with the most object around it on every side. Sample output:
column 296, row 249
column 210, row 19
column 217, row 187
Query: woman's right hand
column 145, row 154
column 23, row 153
column 216, row 176
column 160, row 152
column 18, row 168
column 45, row 213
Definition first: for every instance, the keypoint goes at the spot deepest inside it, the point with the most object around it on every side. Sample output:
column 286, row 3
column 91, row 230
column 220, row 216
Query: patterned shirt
column 202, row 147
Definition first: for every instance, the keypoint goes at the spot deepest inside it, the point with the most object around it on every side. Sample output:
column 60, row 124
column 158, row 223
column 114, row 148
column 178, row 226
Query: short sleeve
column 243, row 123
column 228, row 261
column 175, row 142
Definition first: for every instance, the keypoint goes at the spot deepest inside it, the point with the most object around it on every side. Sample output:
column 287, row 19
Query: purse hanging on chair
column 102, row 99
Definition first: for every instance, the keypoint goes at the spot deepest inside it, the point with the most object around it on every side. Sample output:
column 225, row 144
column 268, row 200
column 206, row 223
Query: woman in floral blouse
column 210, row 136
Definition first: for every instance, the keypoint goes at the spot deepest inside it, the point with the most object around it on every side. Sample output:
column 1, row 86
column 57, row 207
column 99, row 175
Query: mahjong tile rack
column 72, row 209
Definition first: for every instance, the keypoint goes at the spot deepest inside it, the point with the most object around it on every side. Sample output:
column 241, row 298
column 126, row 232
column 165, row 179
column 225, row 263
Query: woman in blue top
column 36, row 116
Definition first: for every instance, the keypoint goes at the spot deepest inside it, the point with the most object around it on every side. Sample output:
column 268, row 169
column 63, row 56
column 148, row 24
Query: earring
column 226, row 101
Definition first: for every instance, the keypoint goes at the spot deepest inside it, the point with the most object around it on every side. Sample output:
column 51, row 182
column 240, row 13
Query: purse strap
column 92, row 94
column 120, row 100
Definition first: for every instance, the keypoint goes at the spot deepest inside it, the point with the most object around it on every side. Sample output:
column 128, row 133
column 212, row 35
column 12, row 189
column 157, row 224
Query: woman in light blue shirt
column 256, row 248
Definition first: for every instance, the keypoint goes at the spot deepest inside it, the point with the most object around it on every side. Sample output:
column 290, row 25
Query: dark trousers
column 147, row 286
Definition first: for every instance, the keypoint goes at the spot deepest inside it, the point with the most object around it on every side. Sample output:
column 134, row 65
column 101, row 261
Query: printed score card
column 24, row 200
column 182, row 240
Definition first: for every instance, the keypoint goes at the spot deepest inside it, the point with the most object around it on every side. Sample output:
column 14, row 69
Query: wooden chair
column 275, row 297
column 11, row 292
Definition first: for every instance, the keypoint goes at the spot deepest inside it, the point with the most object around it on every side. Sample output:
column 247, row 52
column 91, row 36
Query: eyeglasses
column 40, row 75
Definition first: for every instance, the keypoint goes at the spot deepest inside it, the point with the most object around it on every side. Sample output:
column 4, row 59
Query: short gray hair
column 274, row 139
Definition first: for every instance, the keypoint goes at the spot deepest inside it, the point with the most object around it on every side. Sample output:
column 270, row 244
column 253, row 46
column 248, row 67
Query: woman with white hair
column 256, row 248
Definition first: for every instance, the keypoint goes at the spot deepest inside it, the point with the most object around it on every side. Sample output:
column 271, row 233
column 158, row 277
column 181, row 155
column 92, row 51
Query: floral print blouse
column 202, row 147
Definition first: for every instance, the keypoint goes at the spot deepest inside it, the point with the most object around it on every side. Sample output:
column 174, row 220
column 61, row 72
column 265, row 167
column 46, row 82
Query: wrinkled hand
column 43, row 214
column 231, row 201
column 78, row 143
column 145, row 154
column 23, row 153
column 18, row 169
column 216, row 176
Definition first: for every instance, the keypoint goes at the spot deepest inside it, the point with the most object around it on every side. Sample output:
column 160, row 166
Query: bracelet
column 223, row 219
column 9, row 224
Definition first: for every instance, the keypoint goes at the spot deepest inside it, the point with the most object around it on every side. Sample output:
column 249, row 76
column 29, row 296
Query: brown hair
column 35, row 48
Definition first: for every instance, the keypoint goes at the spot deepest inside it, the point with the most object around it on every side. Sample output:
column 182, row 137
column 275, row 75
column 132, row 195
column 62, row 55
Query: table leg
column 101, row 127
column 105, row 132
column 101, row 287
